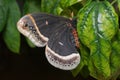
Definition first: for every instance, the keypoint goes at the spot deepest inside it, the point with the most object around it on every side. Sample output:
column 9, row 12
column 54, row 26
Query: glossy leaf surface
column 97, row 25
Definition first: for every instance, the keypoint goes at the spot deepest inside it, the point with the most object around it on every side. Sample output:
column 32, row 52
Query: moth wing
column 40, row 27
column 54, row 32
column 47, row 23
column 61, row 51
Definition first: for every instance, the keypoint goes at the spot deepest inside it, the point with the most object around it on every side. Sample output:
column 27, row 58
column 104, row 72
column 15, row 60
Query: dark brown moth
column 58, row 34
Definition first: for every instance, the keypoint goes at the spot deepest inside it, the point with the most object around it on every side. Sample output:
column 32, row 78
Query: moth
column 57, row 33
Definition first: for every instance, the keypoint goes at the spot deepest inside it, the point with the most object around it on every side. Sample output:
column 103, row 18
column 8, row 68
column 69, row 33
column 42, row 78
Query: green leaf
column 30, row 43
column 67, row 3
column 97, row 25
column 51, row 6
column 71, row 11
column 2, row 18
column 76, row 71
column 11, row 35
column 84, row 52
column 118, row 4
column 56, row 6
column 115, row 57
column 3, row 14
column 32, row 6
column 85, row 72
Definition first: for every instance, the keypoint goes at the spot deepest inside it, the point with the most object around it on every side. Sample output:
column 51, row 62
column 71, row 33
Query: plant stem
column 114, row 1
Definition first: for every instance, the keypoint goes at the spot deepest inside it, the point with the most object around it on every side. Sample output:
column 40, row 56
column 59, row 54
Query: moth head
column 24, row 25
column 27, row 27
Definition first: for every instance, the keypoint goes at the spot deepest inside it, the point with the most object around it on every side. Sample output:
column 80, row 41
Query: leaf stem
column 114, row 1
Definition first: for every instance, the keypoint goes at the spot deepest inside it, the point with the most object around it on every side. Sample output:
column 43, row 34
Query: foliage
column 100, row 20
column 97, row 27
column 8, row 24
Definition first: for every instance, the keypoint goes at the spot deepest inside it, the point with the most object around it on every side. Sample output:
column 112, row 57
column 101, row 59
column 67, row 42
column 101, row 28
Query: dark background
column 30, row 64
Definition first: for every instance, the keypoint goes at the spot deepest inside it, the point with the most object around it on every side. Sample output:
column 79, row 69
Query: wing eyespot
column 26, row 25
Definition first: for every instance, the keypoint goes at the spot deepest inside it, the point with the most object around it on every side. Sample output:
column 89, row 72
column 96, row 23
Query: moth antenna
column 72, row 14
